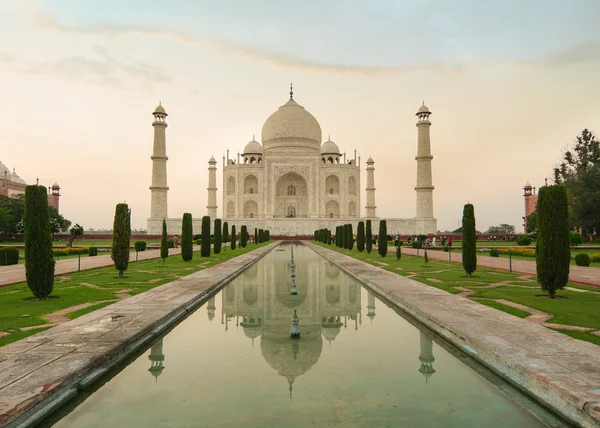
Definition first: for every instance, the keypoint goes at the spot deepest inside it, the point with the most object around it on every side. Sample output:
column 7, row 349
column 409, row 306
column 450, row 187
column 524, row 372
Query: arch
column 259, row 160
column 330, row 160
column 291, row 189
column 230, row 186
column 250, row 184
column 352, row 186
column 252, row 159
column 323, row 160
column 332, row 185
column 290, row 211
column 332, row 294
column 250, row 294
column 352, row 209
column 230, row 209
column 332, row 209
column 250, row 209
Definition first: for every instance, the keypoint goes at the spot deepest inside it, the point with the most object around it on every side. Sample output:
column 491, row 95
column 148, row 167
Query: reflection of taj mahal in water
column 259, row 302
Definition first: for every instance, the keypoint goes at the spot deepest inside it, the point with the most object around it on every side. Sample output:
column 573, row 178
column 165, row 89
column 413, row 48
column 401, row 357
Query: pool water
column 357, row 363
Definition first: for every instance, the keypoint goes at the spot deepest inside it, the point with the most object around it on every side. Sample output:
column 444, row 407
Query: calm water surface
column 356, row 364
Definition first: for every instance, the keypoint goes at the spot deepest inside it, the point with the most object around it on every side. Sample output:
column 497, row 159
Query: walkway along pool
column 357, row 363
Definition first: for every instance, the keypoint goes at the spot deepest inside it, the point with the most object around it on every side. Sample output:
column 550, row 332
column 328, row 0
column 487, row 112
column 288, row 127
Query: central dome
column 291, row 125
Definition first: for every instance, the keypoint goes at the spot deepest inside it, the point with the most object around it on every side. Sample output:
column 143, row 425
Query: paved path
column 559, row 371
column 15, row 274
column 41, row 370
column 578, row 274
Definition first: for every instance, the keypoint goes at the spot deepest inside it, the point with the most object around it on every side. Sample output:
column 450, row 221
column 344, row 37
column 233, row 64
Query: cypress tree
column 256, row 235
column 164, row 245
column 382, row 241
column 267, row 235
column 552, row 246
column 243, row 236
column 398, row 252
column 205, row 239
column 469, row 240
column 217, row 238
column 425, row 257
column 316, row 236
column 368, row 238
column 351, row 233
column 39, row 263
column 187, row 234
column 261, row 235
column 328, row 237
column 342, row 242
column 360, row 236
column 347, row 237
column 225, row 233
column 233, row 237
column 121, row 238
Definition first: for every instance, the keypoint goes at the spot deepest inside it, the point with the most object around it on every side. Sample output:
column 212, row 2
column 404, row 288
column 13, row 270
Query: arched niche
column 230, row 209
column 352, row 187
column 332, row 185
column 332, row 209
column 291, row 196
column 250, row 184
column 250, row 209
column 352, row 209
column 230, row 186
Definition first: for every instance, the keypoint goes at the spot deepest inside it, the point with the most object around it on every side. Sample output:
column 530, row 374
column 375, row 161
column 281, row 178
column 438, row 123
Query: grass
column 574, row 252
column 581, row 335
column 92, row 308
column 571, row 308
column 18, row 309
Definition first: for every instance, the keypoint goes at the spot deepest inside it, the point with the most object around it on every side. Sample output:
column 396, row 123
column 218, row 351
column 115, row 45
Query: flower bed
column 61, row 252
column 525, row 252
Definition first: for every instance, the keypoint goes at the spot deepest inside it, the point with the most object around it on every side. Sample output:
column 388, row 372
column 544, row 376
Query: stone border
column 41, row 373
column 558, row 371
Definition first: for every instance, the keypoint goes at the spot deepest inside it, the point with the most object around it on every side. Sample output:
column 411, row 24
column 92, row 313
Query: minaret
column 211, row 206
column 424, row 186
column 210, row 309
column 157, row 359
column 530, row 202
column 159, row 188
column 426, row 356
column 370, row 305
column 371, row 208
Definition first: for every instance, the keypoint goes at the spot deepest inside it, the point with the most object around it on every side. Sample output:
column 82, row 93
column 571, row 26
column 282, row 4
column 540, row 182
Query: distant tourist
column 175, row 241
column 434, row 241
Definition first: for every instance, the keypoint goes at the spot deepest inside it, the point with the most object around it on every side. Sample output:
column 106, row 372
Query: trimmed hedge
column 121, row 238
column 243, row 236
column 205, row 245
column 164, row 242
column 524, row 241
column 187, row 245
column 368, row 237
column 494, row 252
column 140, row 245
column 382, row 241
column 582, row 260
column 9, row 256
column 469, row 240
column 360, row 236
column 233, row 237
column 93, row 251
column 217, row 238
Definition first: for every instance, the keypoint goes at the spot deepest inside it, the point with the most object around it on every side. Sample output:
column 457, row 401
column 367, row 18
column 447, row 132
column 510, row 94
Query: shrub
column 582, row 260
column 368, row 237
column 416, row 244
column 595, row 258
column 93, row 251
column 398, row 252
column 140, row 245
column 382, row 244
column 446, row 248
column 553, row 251
column 121, row 238
column 217, row 236
column 196, row 237
column 575, row 238
column 187, row 245
column 243, row 236
column 425, row 257
column 170, row 243
column 360, row 236
column 164, row 242
column 9, row 256
column 350, row 237
column 62, row 252
column 525, row 252
column 39, row 263
column 225, row 232
column 469, row 240
column 494, row 252
column 205, row 244
column 524, row 241
column 233, row 237
column 256, row 235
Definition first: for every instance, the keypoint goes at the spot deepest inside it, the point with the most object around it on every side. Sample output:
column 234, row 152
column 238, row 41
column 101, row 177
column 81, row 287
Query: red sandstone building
column 12, row 185
column 531, row 198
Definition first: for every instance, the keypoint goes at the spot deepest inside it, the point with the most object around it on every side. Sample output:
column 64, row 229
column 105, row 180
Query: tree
column 75, row 233
column 39, row 263
column 121, row 238
column 6, row 217
column 225, row 233
column 382, row 242
column 502, row 229
column 575, row 238
column 425, row 256
column 398, row 251
column 469, row 240
column 164, row 245
column 360, row 236
column 580, row 172
column 187, row 234
column 60, row 224
column 233, row 237
column 243, row 236
column 350, row 237
column 217, row 236
column 256, row 235
column 531, row 222
column 205, row 239
column 553, row 253
column 368, row 238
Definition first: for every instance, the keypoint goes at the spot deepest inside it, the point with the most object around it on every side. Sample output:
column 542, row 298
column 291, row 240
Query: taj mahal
column 292, row 182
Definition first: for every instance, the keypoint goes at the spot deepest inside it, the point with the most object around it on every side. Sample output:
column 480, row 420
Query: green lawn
column 18, row 309
column 571, row 307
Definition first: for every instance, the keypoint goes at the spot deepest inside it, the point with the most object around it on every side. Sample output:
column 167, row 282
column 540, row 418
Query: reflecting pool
column 357, row 363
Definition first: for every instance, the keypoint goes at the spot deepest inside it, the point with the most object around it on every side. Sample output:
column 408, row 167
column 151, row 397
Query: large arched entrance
column 291, row 196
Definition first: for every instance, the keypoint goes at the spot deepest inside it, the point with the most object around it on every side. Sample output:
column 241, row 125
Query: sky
column 510, row 84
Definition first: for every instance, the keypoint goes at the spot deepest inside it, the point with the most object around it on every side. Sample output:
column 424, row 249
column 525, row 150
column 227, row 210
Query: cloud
column 581, row 54
column 273, row 59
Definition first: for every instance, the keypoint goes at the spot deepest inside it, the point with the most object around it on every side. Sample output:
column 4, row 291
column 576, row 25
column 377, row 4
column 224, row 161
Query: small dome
column 160, row 110
column 423, row 109
column 292, row 125
column 253, row 147
column 527, row 186
column 55, row 185
column 4, row 168
column 212, row 160
column 330, row 148
column 370, row 160
column 15, row 178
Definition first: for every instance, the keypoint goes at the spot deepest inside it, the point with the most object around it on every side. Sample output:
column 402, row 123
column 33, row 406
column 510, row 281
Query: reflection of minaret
column 426, row 356
column 157, row 358
column 371, row 306
column 210, row 309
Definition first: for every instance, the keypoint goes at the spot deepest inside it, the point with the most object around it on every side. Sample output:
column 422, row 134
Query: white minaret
column 371, row 208
column 159, row 188
column 211, row 206
column 424, row 186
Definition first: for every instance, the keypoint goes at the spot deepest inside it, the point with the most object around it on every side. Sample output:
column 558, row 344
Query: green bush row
column 9, row 256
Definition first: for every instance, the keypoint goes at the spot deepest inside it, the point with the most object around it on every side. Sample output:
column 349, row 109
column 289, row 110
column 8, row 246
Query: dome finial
column 291, row 91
